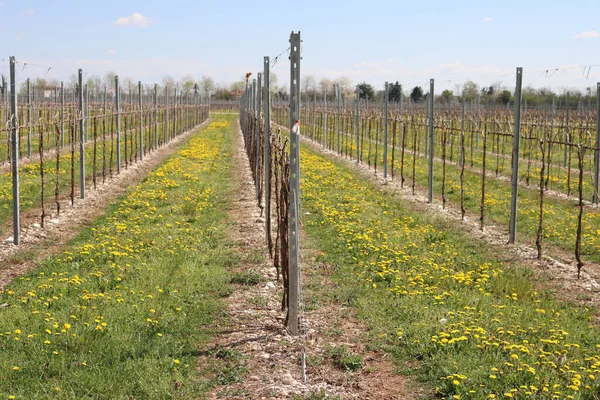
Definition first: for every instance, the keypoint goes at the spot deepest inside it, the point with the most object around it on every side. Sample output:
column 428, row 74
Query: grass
column 344, row 359
column 560, row 215
column 30, row 178
column 124, row 311
column 248, row 278
column 442, row 302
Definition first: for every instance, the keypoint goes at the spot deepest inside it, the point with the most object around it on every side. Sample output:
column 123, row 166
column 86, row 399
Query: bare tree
column 109, row 81
column 345, row 85
column 169, row 81
column 73, row 79
column 94, row 83
column 129, row 85
column 187, row 83
column 326, row 85
column 207, row 85
column 237, row 87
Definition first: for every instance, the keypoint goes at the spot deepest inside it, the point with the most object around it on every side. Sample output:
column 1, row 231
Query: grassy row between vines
column 126, row 309
column 478, row 328
column 560, row 214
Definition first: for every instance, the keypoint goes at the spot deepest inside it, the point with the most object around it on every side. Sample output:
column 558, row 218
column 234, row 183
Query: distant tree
column 326, row 86
column 282, row 93
column 207, row 85
column 395, row 92
column 447, row 95
column 222, row 94
column 237, row 86
column 366, row 91
column 505, row 97
column 487, row 91
column 470, row 89
column 345, row 86
column 94, row 84
column 22, row 89
column 273, row 79
column 109, row 80
column 497, row 86
column 128, row 85
column 308, row 83
column 148, row 88
column 73, row 80
column 416, row 94
column 168, row 81
column 187, row 83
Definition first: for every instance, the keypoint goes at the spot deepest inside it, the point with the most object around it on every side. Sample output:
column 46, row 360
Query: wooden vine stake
column 580, row 153
column 104, row 149
column 394, row 125
column 414, row 157
column 112, row 146
column 95, row 152
column 72, row 130
column 404, row 130
column 539, row 236
column 462, row 175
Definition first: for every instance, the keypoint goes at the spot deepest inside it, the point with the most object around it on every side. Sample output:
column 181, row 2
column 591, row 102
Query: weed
column 248, row 278
column 344, row 359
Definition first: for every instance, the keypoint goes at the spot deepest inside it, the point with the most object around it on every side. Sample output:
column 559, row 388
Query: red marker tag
column 296, row 128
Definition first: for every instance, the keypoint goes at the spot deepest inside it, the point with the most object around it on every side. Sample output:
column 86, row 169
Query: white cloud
column 29, row 11
column 459, row 68
column 454, row 65
column 486, row 19
column 587, row 35
column 136, row 19
column 111, row 52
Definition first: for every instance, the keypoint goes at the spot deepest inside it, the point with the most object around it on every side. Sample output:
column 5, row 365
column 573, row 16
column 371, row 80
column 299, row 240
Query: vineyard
column 281, row 247
column 472, row 164
column 63, row 146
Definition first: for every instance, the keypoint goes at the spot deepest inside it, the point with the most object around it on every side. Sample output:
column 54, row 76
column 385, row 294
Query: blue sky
column 371, row 41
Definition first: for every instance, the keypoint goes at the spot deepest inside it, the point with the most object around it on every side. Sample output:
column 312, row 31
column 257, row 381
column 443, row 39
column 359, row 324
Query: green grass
column 125, row 311
column 248, row 278
column 30, row 177
column 452, row 314
column 344, row 359
column 560, row 215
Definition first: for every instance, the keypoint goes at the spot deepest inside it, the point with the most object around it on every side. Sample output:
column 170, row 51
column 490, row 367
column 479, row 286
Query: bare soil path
column 253, row 323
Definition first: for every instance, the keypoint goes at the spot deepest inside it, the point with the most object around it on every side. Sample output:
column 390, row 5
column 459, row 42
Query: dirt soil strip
column 254, row 323
column 556, row 270
column 58, row 230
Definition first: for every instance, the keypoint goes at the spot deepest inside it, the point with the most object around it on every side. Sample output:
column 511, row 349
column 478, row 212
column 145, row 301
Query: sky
column 556, row 42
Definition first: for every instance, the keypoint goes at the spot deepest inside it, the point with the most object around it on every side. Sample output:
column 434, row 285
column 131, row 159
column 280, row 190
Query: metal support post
column 294, row 242
column 512, row 229
column 141, row 121
column 258, row 111
column 118, row 133
column 357, row 130
column 430, row 146
column 385, row 132
column 81, row 138
column 14, row 161
column 597, row 149
column 267, row 149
